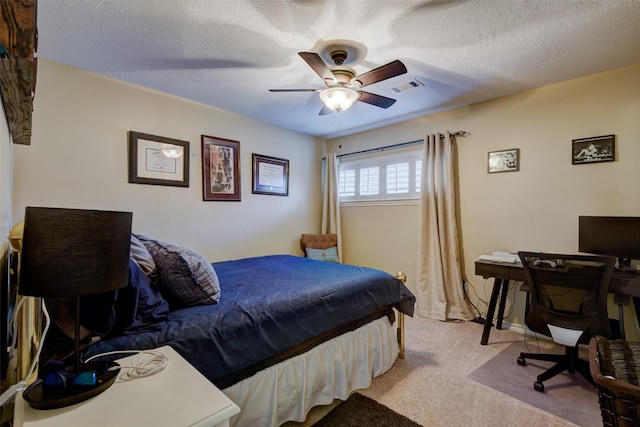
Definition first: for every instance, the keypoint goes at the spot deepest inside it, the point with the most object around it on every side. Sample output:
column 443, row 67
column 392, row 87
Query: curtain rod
column 461, row 133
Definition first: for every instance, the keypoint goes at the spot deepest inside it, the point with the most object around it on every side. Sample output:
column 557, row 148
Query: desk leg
column 495, row 293
column 636, row 306
column 503, row 303
column 621, row 301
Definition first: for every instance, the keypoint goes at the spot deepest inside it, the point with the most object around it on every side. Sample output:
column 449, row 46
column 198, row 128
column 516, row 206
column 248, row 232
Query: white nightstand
column 177, row 396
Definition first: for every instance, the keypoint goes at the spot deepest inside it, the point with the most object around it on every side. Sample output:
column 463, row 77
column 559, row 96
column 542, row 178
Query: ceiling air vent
column 403, row 87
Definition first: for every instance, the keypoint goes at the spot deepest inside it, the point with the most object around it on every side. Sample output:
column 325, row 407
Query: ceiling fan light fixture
column 338, row 98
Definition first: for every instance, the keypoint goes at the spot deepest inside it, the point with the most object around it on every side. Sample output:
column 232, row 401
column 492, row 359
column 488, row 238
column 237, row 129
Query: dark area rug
column 567, row 396
column 359, row 411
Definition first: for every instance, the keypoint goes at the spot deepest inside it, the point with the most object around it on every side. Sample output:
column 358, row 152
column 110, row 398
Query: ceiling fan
column 343, row 85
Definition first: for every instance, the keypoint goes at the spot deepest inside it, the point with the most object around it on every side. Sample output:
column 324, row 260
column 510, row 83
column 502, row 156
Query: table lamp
column 73, row 253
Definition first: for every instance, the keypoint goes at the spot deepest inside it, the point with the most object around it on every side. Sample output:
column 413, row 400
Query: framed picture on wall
column 158, row 160
column 504, row 161
column 593, row 150
column 220, row 169
column 270, row 175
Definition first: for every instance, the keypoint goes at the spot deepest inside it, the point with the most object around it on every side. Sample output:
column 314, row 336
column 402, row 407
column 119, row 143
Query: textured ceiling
column 229, row 53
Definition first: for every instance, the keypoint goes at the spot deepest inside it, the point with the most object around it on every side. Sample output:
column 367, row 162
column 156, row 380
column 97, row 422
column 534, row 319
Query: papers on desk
column 501, row 257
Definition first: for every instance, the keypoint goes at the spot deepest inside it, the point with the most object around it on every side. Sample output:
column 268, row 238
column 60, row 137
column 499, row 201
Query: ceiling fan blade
column 377, row 100
column 383, row 72
column 295, row 90
column 318, row 65
column 325, row 110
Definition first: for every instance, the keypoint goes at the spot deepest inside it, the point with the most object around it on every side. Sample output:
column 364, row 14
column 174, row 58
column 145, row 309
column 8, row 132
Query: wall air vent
column 403, row 87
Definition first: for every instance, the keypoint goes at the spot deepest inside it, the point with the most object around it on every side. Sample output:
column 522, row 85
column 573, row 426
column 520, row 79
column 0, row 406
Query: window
column 347, row 182
column 369, row 181
column 398, row 178
column 381, row 178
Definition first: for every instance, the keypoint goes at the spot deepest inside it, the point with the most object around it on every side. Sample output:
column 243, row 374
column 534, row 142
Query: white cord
column 14, row 322
column 47, row 323
column 146, row 362
column 11, row 391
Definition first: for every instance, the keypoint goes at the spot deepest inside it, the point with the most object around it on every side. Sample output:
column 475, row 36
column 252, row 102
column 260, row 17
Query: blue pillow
column 329, row 254
column 140, row 306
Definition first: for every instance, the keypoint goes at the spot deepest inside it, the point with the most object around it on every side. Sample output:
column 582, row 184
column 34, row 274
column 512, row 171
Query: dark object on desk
column 615, row 368
column 610, row 235
column 569, row 321
column 545, row 263
column 73, row 253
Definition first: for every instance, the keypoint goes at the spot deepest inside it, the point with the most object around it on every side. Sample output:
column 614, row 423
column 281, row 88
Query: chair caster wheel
column 521, row 361
column 538, row 386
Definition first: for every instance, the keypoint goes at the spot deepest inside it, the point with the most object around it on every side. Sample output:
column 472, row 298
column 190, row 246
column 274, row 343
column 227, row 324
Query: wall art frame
column 157, row 160
column 504, row 161
column 270, row 175
column 220, row 169
column 596, row 149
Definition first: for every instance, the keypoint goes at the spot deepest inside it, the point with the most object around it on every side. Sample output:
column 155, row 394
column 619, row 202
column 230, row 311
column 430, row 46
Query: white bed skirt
column 332, row 370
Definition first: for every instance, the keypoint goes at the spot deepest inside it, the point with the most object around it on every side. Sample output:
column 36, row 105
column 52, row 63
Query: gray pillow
column 185, row 278
column 140, row 254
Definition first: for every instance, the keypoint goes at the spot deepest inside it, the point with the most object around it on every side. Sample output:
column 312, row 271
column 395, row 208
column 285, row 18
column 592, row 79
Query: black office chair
column 567, row 302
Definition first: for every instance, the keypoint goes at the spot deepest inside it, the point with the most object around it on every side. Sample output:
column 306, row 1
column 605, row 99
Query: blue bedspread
column 268, row 305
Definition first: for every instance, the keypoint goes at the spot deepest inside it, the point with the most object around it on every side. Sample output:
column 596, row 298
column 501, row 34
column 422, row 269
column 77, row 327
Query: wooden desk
column 625, row 284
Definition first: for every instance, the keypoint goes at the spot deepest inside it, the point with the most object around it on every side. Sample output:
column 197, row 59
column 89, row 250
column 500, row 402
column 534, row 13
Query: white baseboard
column 523, row 330
column 514, row 327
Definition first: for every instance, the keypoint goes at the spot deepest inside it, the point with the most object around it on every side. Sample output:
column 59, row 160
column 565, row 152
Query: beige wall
column 536, row 208
column 78, row 159
column 6, row 149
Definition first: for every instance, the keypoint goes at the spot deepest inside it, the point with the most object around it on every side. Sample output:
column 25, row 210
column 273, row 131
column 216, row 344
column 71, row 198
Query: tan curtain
column 330, row 203
column 439, row 277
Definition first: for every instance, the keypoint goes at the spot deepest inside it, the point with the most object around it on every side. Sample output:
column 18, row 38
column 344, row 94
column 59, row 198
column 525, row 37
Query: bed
column 283, row 333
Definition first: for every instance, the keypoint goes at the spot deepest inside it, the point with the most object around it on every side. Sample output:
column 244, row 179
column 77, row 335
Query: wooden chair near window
column 317, row 242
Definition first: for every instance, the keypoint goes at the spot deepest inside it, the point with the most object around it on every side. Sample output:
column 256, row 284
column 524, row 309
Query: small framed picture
column 270, row 175
column 593, row 150
column 158, row 160
column 220, row 169
column 504, row 161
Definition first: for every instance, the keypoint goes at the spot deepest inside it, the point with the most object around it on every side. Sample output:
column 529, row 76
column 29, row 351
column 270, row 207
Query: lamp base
column 41, row 396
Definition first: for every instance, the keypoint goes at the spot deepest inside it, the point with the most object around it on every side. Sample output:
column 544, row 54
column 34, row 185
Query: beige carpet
column 566, row 395
column 431, row 387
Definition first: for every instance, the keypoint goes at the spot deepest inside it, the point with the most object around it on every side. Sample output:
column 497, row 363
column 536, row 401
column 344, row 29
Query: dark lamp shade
column 74, row 252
